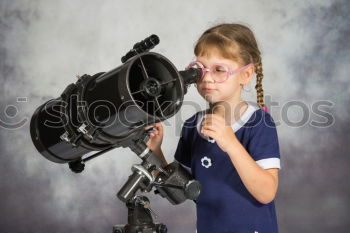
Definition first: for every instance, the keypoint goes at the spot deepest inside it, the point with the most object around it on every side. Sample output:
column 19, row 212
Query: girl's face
column 228, row 91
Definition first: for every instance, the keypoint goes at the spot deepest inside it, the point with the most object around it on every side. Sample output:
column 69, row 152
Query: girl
column 232, row 147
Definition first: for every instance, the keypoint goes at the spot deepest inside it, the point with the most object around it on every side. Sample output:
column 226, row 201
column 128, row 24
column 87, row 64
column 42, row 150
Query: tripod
column 140, row 218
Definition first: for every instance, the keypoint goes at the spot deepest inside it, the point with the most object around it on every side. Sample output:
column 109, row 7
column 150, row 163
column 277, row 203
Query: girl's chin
column 210, row 98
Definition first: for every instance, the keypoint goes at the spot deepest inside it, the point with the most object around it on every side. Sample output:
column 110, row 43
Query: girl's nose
column 207, row 77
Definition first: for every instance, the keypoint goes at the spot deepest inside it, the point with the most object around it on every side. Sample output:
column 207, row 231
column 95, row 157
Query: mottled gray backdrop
column 306, row 60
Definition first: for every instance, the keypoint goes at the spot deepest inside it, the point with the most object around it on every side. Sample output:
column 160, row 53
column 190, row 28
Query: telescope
column 108, row 110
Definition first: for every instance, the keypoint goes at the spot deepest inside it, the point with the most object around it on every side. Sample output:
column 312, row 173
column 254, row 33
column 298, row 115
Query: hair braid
column 258, row 86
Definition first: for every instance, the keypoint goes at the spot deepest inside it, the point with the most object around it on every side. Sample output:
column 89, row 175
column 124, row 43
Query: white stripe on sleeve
column 269, row 163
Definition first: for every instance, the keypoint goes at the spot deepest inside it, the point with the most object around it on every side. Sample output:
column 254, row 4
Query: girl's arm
column 155, row 141
column 160, row 154
column 261, row 183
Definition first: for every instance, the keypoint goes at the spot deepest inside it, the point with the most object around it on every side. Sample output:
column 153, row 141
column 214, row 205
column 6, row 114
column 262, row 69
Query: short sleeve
column 263, row 144
column 183, row 150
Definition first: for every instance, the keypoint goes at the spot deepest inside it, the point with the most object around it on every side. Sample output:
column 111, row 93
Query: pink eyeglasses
column 219, row 72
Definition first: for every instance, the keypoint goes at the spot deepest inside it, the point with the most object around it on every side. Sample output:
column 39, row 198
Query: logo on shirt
column 206, row 162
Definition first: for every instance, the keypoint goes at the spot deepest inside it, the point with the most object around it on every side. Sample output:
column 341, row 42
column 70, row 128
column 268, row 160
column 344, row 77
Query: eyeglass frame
column 229, row 73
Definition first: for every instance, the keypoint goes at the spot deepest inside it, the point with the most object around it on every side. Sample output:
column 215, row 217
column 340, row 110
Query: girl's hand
column 156, row 137
column 215, row 127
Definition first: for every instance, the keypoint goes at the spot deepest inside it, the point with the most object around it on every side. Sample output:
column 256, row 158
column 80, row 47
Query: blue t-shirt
column 225, row 205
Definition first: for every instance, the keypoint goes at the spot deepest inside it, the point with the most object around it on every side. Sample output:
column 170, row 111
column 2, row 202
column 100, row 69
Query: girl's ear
column 247, row 74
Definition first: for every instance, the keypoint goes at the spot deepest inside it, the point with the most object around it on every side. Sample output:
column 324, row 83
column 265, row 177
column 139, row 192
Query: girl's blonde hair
column 236, row 42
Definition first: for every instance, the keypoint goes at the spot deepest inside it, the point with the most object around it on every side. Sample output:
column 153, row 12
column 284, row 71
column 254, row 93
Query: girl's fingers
column 159, row 126
column 211, row 124
column 215, row 120
column 155, row 133
column 148, row 127
column 208, row 133
column 156, row 126
column 157, row 130
column 207, row 130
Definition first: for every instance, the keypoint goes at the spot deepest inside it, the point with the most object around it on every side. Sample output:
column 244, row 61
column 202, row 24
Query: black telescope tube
column 133, row 95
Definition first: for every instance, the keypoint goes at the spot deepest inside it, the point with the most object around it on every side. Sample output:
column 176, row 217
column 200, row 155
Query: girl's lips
column 208, row 89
